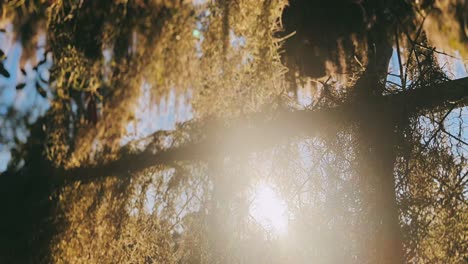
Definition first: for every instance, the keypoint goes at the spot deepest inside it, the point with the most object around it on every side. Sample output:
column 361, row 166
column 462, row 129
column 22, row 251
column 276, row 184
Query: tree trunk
column 375, row 165
column 27, row 208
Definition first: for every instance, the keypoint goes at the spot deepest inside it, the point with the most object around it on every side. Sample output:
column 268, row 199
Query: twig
column 400, row 62
column 454, row 137
column 412, row 46
column 395, row 84
column 440, row 52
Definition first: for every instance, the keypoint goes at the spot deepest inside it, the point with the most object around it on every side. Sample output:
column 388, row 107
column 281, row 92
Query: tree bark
column 375, row 166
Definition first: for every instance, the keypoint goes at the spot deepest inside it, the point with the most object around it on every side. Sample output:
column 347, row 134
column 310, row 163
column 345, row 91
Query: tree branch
column 431, row 98
column 253, row 133
column 263, row 130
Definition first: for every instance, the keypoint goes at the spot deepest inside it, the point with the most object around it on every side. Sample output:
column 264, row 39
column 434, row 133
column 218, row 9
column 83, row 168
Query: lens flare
column 269, row 210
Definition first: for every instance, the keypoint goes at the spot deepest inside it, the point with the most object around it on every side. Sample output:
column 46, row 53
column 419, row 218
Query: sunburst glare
column 269, row 209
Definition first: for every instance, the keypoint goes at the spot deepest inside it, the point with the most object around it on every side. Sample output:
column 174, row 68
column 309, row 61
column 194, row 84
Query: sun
column 269, row 210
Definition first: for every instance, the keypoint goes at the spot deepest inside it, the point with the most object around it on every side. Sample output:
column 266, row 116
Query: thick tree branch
column 255, row 133
column 262, row 130
column 437, row 96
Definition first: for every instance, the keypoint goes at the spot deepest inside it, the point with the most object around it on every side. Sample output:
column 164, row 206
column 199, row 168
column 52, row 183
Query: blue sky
column 20, row 108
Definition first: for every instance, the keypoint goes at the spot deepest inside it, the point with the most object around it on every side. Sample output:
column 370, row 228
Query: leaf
column 20, row 86
column 3, row 71
column 44, row 60
column 41, row 90
column 42, row 79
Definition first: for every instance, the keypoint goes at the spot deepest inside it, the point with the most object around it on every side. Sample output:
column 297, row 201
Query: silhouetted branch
column 263, row 130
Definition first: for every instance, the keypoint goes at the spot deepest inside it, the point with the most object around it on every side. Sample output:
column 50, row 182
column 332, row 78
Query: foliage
column 228, row 56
